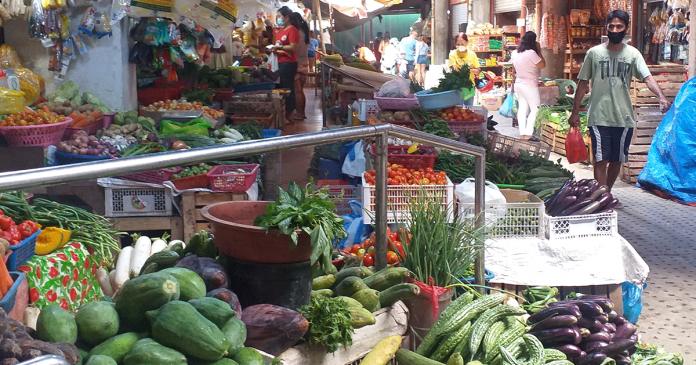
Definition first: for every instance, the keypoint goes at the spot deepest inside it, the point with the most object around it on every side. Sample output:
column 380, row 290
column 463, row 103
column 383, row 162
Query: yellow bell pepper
column 51, row 239
column 413, row 148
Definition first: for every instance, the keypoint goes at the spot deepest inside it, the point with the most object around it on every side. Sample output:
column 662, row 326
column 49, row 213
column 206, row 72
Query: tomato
column 393, row 236
column 398, row 246
column 368, row 260
column 392, row 257
column 356, row 248
column 361, row 253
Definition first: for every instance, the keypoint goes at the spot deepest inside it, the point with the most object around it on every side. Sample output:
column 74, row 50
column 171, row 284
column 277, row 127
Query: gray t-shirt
column 611, row 73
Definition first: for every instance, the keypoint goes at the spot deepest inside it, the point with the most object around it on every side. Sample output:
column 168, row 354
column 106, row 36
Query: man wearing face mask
column 610, row 118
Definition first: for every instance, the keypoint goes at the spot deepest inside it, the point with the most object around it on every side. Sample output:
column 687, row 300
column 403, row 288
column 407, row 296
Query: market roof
column 349, row 14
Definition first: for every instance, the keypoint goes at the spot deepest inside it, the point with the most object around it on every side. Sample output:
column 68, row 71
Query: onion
column 83, row 151
column 179, row 145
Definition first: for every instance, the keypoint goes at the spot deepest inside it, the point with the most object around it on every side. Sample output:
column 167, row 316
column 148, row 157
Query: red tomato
column 392, row 257
column 356, row 248
column 398, row 246
column 368, row 260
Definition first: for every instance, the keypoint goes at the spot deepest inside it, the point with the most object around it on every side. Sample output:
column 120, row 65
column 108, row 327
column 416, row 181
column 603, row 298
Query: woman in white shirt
column 527, row 62
column 421, row 59
column 389, row 56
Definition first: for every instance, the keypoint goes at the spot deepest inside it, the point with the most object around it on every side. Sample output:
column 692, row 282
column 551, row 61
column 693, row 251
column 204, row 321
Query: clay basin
column 237, row 237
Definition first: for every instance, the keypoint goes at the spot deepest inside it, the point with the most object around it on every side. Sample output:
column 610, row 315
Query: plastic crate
column 67, row 158
column 399, row 199
column 338, row 187
column 367, row 107
column 396, row 103
column 467, row 126
column 521, row 216
column 191, row 182
column 445, row 99
column 154, row 176
column 137, row 202
column 398, row 155
column 500, row 144
column 220, row 179
column 22, row 252
column 581, row 226
column 35, row 135
column 223, row 94
column 264, row 119
column 7, row 302
column 271, row 133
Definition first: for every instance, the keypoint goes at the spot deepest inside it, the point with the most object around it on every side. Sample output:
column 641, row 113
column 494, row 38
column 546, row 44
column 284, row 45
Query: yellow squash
column 51, row 239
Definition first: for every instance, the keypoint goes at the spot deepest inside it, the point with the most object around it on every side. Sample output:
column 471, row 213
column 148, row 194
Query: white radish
column 112, row 274
column 122, row 267
column 141, row 251
column 104, row 283
column 30, row 316
column 174, row 242
column 157, row 246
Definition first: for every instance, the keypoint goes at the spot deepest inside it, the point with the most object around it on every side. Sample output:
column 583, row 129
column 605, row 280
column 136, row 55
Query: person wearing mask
column 312, row 51
column 408, row 51
column 365, row 53
column 462, row 56
column 302, row 65
column 421, row 60
column 287, row 40
column 610, row 119
column 527, row 62
column 389, row 56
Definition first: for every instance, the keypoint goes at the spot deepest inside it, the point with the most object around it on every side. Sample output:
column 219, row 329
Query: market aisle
column 661, row 231
column 296, row 161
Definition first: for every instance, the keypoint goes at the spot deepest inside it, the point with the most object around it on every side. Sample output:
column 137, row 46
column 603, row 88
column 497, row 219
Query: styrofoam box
column 581, row 226
column 137, row 202
column 521, row 216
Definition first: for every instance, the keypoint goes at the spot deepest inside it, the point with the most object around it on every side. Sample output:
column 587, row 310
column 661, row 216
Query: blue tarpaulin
column 671, row 166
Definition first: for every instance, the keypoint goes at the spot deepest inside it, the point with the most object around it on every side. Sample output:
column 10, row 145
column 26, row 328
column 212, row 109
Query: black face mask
column 616, row 37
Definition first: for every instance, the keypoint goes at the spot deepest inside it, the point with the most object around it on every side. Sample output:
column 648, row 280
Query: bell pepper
column 27, row 228
column 5, row 222
column 14, row 233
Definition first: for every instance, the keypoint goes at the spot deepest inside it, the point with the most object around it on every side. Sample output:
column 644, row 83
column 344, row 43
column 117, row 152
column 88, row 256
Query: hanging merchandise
column 218, row 17
column 88, row 20
column 544, row 36
column 79, row 45
column 102, row 25
column 188, row 48
column 142, row 9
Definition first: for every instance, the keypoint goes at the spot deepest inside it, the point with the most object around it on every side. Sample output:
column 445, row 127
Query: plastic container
column 191, row 182
column 521, row 216
column 94, row 127
column 108, row 119
column 264, row 119
column 22, row 252
column 343, row 190
column 223, row 94
column 466, row 126
column 422, row 314
column 7, row 303
column 35, row 135
column 271, row 133
column 254, row 87
column 64, row 158
column 366, row 107
column 285, row 285
column 155, row 94
column 581, row 226
column 500, row 144
column 396, row 103
column 445, row 99
column 220, row 178
column 154, row 176
column 410, row 161
column 487, row 275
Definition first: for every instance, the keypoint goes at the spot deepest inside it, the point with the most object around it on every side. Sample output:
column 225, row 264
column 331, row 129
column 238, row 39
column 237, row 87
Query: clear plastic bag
column 11, row 101
column 397, row 87
column 466, row 193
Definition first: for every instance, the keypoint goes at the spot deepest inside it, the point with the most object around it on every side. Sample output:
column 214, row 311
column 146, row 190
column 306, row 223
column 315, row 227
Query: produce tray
column 399, row 198
column 409, row 161
column 220, row 180
column 254, row 87
column 223, row 94
column 396, row 103
column 22, row 252
column 7, row 302
column 521, row 216
column 67, row 158
column 271, row 133
column 35, row 135
column 500, row 144
column 154, row 176
column 581, row 226
column 191, row 182
column 446, row 99
column 466, row 126
column 342, row 192
column 264, row 119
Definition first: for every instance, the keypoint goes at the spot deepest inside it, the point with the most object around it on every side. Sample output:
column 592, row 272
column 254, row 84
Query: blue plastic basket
column 8, row 301
column 67, row 158
column 270, row 133
column 22, row 252
column 487, row 275
column 445, row 99
column 254, row 87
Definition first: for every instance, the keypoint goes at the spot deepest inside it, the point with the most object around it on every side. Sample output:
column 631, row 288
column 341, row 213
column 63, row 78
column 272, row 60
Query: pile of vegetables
column 132, row 118
column 81, row 143
column 461, row 167
column 200, row 95
column 538, row 298
column 192, row 171
column 12, row 234
column 399, row 175
column 579, row 198
column 390, row 116
column 457, row 113
column 365, row 252
column 648, row 354
column 70, row 92
column 455, row 80
column 226, row 134
column 432, row 123
column 31, row 117
column 183, row 104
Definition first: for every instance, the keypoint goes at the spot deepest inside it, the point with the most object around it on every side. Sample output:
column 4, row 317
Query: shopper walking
column 375, row 46
column 462, row 56
column 611, row 66
column 286, row 43
column 527, row 62
column 389, row 57
column 408, row 51
column 421, row 60
column 302, row 65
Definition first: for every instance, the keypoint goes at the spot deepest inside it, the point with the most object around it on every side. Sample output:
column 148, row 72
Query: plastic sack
column 11, row 101
column 575, row 146
column 508, row 106
column 468, row 93
column 632, row 301
column 396, row 87
column 466, row 192
column 273, row 62
column 30, row 83
column 196, row 126
column 9, row 58
column 353, row 223
column 354, row 163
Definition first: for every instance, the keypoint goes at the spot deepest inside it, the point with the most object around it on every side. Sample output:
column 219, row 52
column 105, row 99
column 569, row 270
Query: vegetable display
column 538, row 298
column 399, row 175
column 648, row 354
column 81, row 143
column 192, row 171
column 183, row 104
column 579, row 198
column 330, row 323
column 455, row 80
column 31, row 117
column 457, row 113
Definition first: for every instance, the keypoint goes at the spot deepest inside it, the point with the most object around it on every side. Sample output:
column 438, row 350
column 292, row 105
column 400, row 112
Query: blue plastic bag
column 508, row 108
column 353, row 223
column 632, row 301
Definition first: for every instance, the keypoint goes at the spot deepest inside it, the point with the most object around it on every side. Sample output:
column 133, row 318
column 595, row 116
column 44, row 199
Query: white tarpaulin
column 568, row 262
column 354, row 8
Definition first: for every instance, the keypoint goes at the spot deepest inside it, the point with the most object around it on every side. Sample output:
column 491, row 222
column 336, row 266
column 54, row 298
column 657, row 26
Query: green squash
column 55, row 324
column 148, row 352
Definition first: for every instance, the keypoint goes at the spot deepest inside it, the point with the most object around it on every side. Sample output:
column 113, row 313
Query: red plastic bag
column 575, row 146
column 431, row 293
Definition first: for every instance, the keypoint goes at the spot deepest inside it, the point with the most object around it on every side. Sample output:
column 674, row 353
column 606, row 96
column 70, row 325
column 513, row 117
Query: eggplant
column 599, row 336
column 593, row 346
column 570, row 309
column 566, row 320
column 559, row 336
column 579, row 204
column 632, row 349
column 619, row 320
column 625, row 353
column 590, row 323
column 611, row 327
column 593, row 185
column 612, row 203
column 599, row 192
column 589, row 209
column 588, row 308
column 584, row 332
column 622, row 360
column 612, row 315
column 591, row 359
column 624, row 331
column 617, row 347
column 602, row 318
column 552, row 200
column 604, row 201
column 583, row 182
column 604, row 302
column 565, row 203
column 571, row 351
column 634, row 337
column 565, row 191
column 583, row 192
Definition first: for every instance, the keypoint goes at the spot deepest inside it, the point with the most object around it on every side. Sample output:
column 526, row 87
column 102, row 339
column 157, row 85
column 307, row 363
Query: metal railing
column 381, row 132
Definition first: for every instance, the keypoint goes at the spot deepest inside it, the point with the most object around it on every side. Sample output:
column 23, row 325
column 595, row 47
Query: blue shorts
column 422, row 60
column 312, row 54
column 610, row 143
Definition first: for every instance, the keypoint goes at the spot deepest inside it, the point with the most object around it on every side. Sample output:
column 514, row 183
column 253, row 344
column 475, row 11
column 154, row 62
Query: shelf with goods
column 490, row 51
column 580, row 39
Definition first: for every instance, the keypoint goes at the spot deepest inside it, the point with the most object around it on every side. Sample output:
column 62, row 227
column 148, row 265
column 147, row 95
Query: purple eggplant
column 625, row 353
column 559, row 336
column 588, row 308
column 602, row 318
column 634, row 337
column 566, row 320
column 593, row 346
column 619, row 321
column 611, row 327
column 563, row 204
column 632, row 350
column 571, row 351
column 559, row 194
column 583, row 182
column 611, row 205
column 604, row 302
column 579, row 204
column 622, row 360
column 589, row 209
column 624, row 331
column 599, row 336
column 584, row 332
column 570, row 309
column 617, row 347
column 611, row 315
column 564, row 193
column 583, row 192
column 604, row 201
column 590, row 323
column 593, row 185
column 599, row 192
column 591, row 359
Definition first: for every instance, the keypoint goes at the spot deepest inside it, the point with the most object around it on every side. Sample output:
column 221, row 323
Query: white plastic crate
column 338, row 187
column 581, row 226
column 521, row 216
column 366, row 107
column 137, row 202
column 399, row 199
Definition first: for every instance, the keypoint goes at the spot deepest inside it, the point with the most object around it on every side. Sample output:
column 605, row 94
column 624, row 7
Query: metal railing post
column 479, row 206
column 381, row 167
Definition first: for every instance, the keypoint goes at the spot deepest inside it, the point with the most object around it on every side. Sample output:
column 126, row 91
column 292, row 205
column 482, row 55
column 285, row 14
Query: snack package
column 88, row 20
column 102, row 25
column 59, row 76
column 188, row 48
column 68, row 48
column 153, row 34
column 78, row 44
column 143, row 9
column 175, row 57
column 52, row 24
column 30, row 83
column 174, row 34
column 9, row 59
column 56, row 56
column 63, row 25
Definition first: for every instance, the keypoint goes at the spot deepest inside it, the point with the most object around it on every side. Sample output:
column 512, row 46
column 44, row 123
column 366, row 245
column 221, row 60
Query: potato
column 9, row 361
column 29, row 354
column 66, row 103
column 68, row 111
column 74, row 105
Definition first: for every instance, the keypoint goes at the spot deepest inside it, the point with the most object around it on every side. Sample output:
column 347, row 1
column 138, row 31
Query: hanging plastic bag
column 397, row 87
column 575, row 146
column 632, row 301
column 354, row 163
column 273, row 62
column 196, row 126
column 508, row 106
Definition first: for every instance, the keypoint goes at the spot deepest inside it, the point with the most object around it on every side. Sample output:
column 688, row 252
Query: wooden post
column 331, row 30
column 439, row 31
column 317, row 11
column 523, row 15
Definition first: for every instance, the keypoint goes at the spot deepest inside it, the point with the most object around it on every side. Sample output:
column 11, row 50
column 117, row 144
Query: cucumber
column 385, row 279
column 407, row 357
column 398, row 292
column 163, row 259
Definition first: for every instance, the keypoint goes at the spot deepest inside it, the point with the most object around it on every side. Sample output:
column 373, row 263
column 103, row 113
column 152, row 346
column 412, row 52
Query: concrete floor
column 659, row 229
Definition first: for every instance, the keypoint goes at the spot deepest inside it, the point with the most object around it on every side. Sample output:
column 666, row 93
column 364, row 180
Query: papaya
column 328, row 293
column 346, row 272
column 215, row 310
column 386, row 278
column 369, row 298
column 96, row 322
column 236, row 334
column 178, row 325
column 350, row 286
column 361, row 317
column 101, row 360
column 142, row 294
column 223, row 361
column 148, row 352
column 323, row 282
column 55, row 324
column 248, row 356
column 116, row 347
column 191, row 285
column 351, row 302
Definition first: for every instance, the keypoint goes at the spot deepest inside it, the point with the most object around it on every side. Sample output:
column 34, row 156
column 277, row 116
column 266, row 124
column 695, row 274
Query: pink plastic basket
column 221, row 178
column 466, row 126
column 35, row 135
column 154, row 176
column 396, row 103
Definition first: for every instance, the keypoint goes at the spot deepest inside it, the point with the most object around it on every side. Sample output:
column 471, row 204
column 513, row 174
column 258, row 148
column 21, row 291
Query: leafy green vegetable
column 455, row 80
column 648, row 354
column 432, row 123
column 329, row 323
column 310, row 211
column 250, row 129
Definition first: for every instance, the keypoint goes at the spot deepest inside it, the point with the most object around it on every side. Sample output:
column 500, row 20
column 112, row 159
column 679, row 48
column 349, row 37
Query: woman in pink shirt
column 527, row 62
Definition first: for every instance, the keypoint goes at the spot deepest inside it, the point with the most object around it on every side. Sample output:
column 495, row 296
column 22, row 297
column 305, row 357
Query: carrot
column 5, row 279
column 96, row 114
column 80, row 121
column 46, row 109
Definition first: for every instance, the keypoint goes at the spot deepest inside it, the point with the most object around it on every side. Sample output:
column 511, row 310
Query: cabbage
column 77, row 99
column 68, row 90
column 52, row 96
column 90, row 98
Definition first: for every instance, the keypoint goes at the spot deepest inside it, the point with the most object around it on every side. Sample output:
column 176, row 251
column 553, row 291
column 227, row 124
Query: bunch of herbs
column 329, row 323
column 310, row 211
column 431, row 123
column 455, row 80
